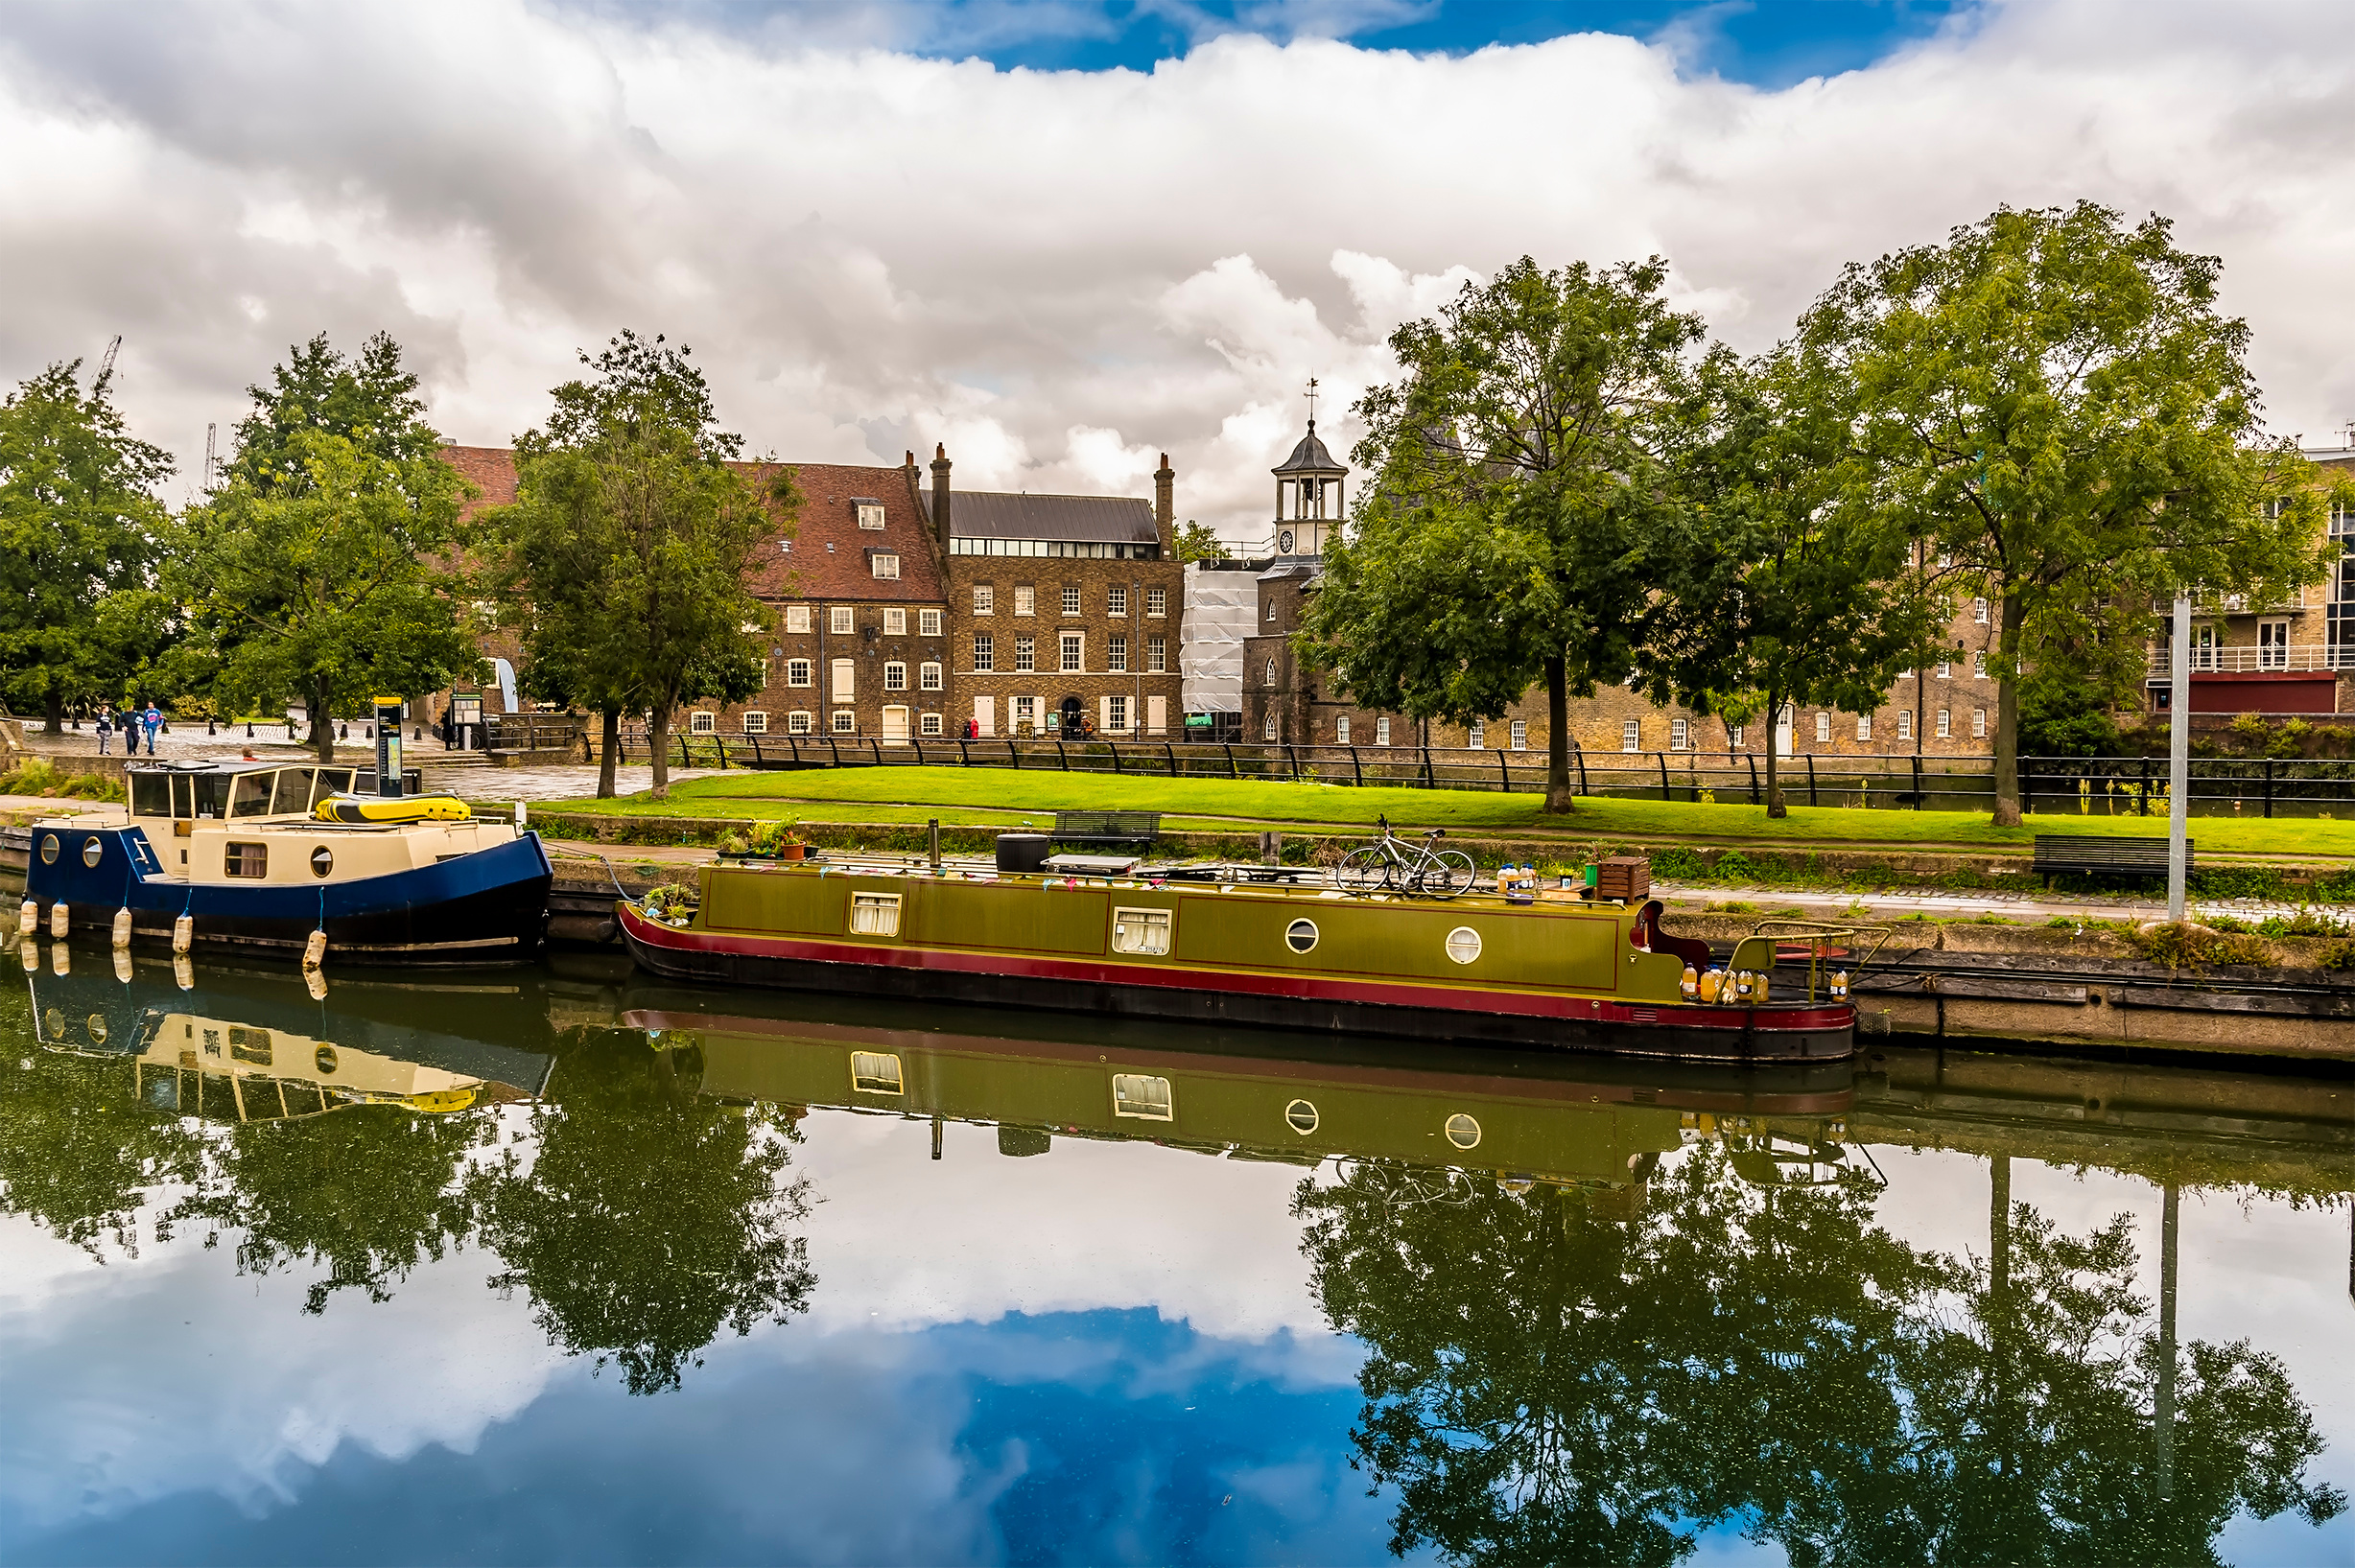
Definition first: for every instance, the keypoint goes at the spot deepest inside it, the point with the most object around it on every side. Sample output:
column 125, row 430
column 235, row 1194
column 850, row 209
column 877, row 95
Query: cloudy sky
column 1065, row 236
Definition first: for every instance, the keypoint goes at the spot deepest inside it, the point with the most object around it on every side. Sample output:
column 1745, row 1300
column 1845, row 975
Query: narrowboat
column 261, row 854
column 1483, row 968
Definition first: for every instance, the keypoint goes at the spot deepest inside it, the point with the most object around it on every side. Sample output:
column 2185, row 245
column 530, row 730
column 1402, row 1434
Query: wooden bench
column 1132, row 829
column 2090, row 855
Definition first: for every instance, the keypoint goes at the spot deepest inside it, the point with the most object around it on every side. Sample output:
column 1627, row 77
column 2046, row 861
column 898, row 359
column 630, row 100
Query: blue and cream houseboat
column 258, row 855
column 1483, row 968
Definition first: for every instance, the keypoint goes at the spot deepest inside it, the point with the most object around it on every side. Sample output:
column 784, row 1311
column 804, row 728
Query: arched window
column 1271, row 673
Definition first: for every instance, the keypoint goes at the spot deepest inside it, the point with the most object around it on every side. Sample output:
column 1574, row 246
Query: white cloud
column 1055, row 272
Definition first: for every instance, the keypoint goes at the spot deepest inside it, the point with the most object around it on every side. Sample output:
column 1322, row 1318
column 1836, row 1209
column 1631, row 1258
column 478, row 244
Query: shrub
column 1733, row 866
column 2186, row 946
column 1678, row 864
column 2340, row 955
column 39, row 776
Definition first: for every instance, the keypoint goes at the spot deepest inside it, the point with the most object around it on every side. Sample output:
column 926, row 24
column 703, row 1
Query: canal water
column 564, row 1264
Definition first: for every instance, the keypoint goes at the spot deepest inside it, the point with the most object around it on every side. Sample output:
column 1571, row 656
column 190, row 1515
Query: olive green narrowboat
column 1479, row 969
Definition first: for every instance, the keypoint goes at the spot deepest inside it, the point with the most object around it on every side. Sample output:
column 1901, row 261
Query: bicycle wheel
column 1365, row 870
column 1445, row 874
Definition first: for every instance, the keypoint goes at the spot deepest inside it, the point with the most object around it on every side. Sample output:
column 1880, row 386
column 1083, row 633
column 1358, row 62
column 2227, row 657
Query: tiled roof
column 828, row 517
column 986, row 514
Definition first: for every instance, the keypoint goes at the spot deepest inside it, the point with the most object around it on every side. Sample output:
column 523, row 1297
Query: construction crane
column 105, row 366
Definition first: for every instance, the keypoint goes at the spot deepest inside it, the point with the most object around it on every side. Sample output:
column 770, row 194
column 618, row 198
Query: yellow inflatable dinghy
column 380, row 810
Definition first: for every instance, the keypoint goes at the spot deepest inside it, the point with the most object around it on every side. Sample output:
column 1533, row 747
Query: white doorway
column 895, row 726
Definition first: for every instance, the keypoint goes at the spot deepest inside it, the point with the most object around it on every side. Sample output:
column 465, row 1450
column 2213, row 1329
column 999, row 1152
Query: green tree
column 1197, row 542
column 2052, row 400
column 649, row 1219
column 79, row 1153
column 623, row 560
column 328, row 565
column 79, row 540
column 1523, row 525
column 1809, row 601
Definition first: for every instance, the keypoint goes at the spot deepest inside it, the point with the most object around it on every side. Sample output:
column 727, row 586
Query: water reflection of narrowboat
column 242, row 849
column 252, row 1048
column 1518, row 1116
column 1474, row 968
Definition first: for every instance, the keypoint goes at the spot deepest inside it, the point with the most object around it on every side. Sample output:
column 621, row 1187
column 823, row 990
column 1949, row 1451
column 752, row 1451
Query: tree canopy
column 80, row 535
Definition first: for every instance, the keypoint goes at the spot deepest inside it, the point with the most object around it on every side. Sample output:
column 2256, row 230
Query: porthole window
column 96, row 1025
column 1463, row 1132
column 1300, row 1116
column 92, row 851
column 1463, row 944
column 1301, row 936
column 324, row 1059
column 48, row 849
column 322, row 860
column 54, row 1023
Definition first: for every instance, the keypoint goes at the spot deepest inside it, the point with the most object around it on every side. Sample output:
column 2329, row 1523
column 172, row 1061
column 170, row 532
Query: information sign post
column 389, row 747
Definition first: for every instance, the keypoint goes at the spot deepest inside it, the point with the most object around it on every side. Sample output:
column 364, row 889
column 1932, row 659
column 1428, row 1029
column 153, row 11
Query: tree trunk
column 658, row 738
column 1775, row 807
column 323, row 724
column 2007, row 716
column 53, row 706
column 608, row 752
column 1558, row 795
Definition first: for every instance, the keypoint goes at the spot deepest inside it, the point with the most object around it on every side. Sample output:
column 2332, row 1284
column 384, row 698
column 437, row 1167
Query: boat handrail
column 1819, row 936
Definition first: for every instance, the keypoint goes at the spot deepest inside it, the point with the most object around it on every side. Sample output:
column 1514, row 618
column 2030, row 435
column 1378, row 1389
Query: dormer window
column 884, row 564
column 870, row 512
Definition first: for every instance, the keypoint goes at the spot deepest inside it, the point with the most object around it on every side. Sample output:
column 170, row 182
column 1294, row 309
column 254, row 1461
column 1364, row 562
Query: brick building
column 1066, row 612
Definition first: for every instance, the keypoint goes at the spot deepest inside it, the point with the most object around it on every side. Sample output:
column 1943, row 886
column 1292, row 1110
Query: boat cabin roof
column 192, row 792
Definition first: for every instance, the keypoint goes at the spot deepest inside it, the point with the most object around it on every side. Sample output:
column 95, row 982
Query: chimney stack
column 940, row 492
column 1164, row 506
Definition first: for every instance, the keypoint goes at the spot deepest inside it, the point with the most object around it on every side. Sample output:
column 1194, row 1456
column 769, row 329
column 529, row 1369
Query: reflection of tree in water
column 648, row 1218
column 369, row 1193
column 1556, row 1375
column 78, row 1150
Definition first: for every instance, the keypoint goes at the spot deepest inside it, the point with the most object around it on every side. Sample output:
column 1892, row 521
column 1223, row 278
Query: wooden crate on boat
column 1627, row 876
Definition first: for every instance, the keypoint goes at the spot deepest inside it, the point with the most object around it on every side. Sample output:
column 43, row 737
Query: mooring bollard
column 61, row 921
column 183, row 934
column 122, row 928
column 27, row 918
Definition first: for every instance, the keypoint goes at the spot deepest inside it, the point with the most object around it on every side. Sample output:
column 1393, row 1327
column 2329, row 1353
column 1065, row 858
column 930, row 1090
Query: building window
column 1680, row 734
column 1477, row 733
column 895, row 676
column 927, row 677
column 703, row 723
column 1978, row 666
column 928, row 623
column 1269, row 679
column 1946, row 725
column 1070, row 598
column 928, row 724
column 1271, row 611
column 1341, row 730
column 1115, row 601
column 845, row 722
column 984, row 652
column 1822, row 727
column 1978, row 723
column 1267, row 729
column 875, row 914
column 1630, row 734
column 248, row 860
column 1025, row 600
column 1946, row 668
column 1382, row 730
column 895, row 623
column 870, row 514
column 763, row 674
column 1733, row 737
column 797, row 620
column 1115, row 714
column 1864, row 726
column 1157, row 601
column 885, row 567
column 984, row 600
column 1978, row 611
column 1156, row 655
column 845, row 679
column 797, row 672
column 846, row 621
column 2273, row 644
column 1521, row 734
column 1906, row 725
column 1025, row 715
column 756, row 722
column 1141, row 930
column 1074, row 652
column 798, row 722
column 1115, row 655
column 1025, row 655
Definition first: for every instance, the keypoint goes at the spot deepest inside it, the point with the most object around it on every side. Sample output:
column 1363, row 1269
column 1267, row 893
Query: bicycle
column 1417, row 870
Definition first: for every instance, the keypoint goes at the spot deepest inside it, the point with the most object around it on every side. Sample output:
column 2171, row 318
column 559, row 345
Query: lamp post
column 2178, row 754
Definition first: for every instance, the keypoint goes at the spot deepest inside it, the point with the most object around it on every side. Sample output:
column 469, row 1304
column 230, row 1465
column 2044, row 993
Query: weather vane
column 1311, row 395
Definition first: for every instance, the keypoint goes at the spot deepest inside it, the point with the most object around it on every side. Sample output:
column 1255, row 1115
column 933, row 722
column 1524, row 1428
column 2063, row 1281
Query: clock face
column 1284, row 543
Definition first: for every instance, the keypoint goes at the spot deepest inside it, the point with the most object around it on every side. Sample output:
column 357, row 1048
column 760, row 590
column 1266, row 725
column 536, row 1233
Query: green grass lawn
column 981, row 797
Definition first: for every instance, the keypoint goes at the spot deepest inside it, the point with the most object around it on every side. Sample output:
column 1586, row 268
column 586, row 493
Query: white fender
column 30, row 954
column 184, row 972
column 27, row 918
column 121, row 965
column 315, row 950
column 183, row 934
column 62, row 959
column 61, row 921
column 122, row 928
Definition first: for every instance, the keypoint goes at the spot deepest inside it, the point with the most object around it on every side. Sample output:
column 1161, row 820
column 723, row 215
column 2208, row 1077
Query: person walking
column 106, row 728
column 153, row 720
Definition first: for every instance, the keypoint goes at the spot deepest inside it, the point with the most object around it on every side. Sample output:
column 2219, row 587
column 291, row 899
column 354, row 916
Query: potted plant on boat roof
column 777, row 840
